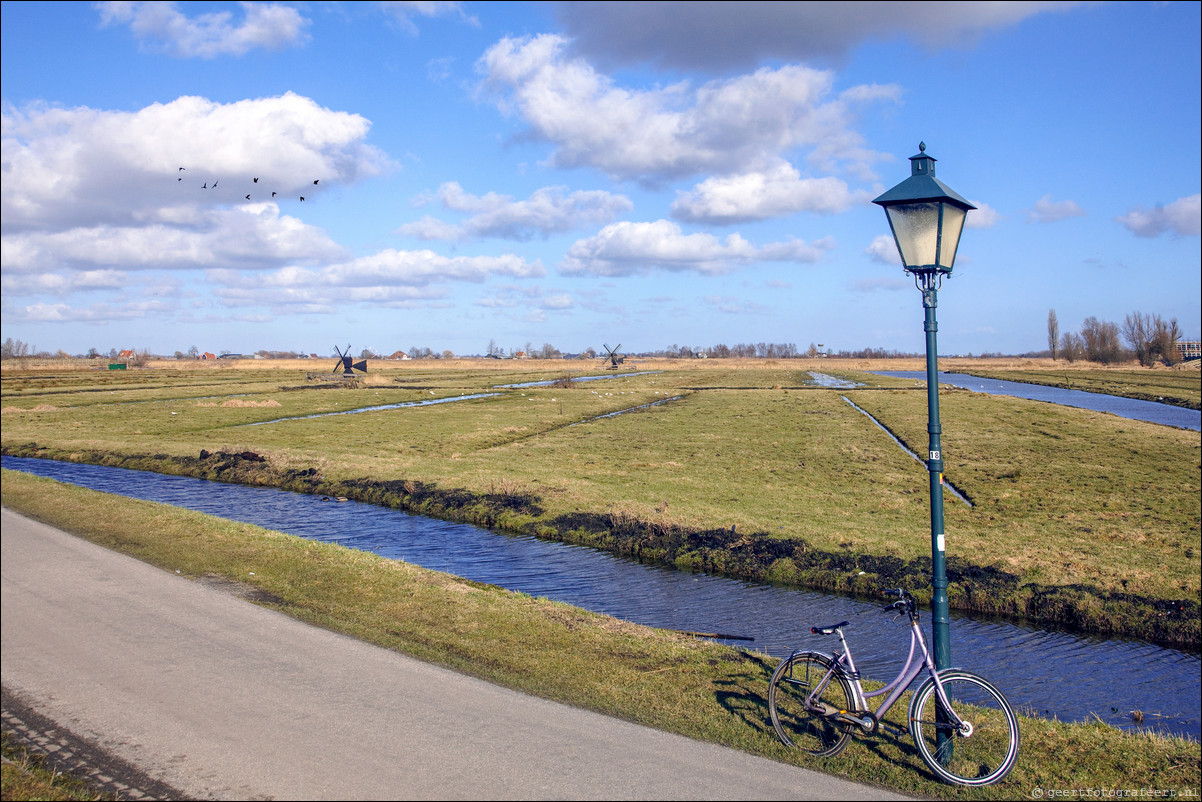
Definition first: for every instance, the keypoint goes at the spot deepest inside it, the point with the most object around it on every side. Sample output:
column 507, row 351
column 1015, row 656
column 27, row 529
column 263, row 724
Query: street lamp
column 927, row 218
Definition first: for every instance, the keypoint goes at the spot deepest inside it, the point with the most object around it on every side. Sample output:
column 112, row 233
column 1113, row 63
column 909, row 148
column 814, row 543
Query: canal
column 1042, row 671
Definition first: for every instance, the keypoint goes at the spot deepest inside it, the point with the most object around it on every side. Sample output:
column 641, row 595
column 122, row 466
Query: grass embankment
column 1079, row 518
column 699, row 689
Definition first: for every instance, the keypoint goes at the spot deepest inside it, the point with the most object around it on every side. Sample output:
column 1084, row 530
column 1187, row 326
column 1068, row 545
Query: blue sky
column 650, row 174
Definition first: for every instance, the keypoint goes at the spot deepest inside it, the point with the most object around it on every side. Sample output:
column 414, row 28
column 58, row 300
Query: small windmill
column 612, row 355
column 347, row 364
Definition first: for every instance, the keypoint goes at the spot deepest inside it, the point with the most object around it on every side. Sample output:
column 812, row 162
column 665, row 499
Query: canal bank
column 1090, row 678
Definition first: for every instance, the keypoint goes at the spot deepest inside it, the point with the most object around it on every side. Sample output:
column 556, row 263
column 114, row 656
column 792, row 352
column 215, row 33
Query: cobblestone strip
column 67, row 753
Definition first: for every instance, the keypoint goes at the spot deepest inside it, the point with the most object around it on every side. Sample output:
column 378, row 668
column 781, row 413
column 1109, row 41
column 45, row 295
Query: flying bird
column 248, row 197
column 256, row 180
column 315, row 182
column 273, row 194
column 206, row 185
column 302, row 197
column 180, row 169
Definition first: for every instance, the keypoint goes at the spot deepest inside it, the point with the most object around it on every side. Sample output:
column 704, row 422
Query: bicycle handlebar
column 906, row 602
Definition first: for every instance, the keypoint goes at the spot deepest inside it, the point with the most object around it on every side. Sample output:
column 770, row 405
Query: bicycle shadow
column 740, row 695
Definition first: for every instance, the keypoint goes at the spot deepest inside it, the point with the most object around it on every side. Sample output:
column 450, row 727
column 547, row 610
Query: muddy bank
column 754, row 556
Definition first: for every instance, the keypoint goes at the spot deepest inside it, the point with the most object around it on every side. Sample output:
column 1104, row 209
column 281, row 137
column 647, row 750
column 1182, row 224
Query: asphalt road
column 204, row 695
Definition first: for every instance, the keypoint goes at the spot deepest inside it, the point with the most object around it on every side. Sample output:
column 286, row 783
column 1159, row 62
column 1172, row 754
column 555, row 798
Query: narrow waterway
column 1043, row 672
column 1150, row 411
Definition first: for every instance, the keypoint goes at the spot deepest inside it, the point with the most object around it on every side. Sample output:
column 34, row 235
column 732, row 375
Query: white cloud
column 86, row 188
column 82, row 166
column 984, row 216
column 883, row 249
column 739, row 35
column 778, row 191
column 401, row 12
column 723, row 127
column 385, row 276
column 1047, row 210
column 1182, row 217
column 626, row 248
column 547, row 211
column 62, row 283
column 163, row 27
column 251, row 236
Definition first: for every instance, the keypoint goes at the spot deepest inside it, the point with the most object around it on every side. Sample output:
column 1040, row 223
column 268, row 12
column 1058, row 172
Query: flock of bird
column 205, row 185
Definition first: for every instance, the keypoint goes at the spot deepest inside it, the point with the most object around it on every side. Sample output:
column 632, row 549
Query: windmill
column 347, row 364
column 612, row 355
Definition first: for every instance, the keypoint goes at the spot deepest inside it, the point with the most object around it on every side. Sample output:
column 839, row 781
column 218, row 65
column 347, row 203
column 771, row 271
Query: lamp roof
column 922, row 186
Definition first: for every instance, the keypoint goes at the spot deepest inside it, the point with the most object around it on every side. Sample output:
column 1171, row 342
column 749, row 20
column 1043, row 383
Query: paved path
column 216, row 698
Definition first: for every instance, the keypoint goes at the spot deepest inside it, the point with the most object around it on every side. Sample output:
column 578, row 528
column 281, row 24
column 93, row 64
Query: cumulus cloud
column 163, row 27
column 883, row 249
column 1047, row 210
column 1182, row 217
column 86, row 189
column 777, row 191
column 402, row 13
column 724, row 126
column 984, row 216
column 731, row 35
column 547, row 211
column 626, row 249
column 81, row 166
column 385, row 277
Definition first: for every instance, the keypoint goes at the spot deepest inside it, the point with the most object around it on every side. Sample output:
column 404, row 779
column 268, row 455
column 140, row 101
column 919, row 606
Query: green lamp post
column 927, row 218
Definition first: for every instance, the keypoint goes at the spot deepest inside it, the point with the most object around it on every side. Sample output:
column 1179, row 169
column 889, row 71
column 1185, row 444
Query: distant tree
column 492, row 348
column 448, row 354
column 194, row 352
column 1072, row 347
column 93, row 353
column 14, row 349
column 1053, row 332
column 1101, row 338
column 549, row 352
column 1165, row 337
column 1151, row 338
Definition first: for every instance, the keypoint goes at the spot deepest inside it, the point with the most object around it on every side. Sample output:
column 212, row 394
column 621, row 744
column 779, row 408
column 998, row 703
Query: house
column 399, row 355
column 207, row 355
column 126, row 354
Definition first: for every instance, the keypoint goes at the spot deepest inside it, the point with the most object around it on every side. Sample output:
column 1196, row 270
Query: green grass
column 1079, row 518
column 661, row 679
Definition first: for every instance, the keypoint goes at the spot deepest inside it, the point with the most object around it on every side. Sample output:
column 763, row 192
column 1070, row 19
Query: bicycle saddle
column 829, row 630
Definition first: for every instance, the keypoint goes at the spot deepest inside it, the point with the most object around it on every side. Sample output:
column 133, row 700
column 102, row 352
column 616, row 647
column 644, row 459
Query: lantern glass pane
column 916, row 229
column 953, row 226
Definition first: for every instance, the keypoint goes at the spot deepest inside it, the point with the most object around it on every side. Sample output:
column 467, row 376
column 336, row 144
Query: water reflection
column 1049, row 673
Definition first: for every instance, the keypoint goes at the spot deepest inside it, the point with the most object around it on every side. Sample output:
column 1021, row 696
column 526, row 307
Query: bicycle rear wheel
column 982, row 752
column 798, row 683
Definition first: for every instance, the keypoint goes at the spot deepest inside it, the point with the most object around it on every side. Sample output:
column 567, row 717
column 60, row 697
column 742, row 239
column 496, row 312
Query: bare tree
column 1072, row 347
column 1165, row 337
column 1101, row 339
column 1137, row 331
column 1053, row 332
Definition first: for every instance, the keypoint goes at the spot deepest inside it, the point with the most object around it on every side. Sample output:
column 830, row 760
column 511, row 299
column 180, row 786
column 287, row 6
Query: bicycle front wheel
column 802, row 686
column 981, row 751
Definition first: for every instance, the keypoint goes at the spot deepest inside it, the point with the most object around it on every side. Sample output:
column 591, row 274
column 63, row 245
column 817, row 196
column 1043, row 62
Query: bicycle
column 965, row 730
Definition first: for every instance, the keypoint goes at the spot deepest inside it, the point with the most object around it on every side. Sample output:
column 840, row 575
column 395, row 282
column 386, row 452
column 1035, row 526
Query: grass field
column 1078, row 518
column 700, row 689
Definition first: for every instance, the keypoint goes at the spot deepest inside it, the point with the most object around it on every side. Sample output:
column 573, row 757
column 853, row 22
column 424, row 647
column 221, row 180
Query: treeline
column 1148, row 338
